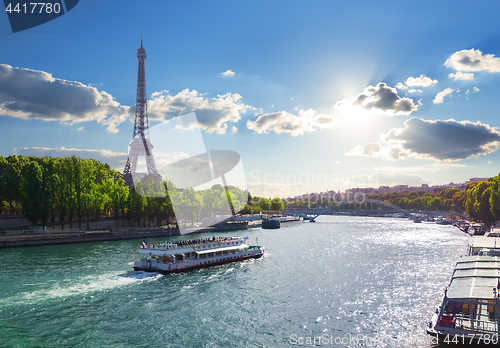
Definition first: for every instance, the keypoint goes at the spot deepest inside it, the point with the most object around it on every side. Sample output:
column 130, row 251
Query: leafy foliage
column 72, row 189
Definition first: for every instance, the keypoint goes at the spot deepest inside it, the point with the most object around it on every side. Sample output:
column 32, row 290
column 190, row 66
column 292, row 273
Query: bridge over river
column 366, row 207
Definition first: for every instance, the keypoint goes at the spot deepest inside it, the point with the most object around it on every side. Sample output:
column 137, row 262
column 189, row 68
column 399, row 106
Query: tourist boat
column 469, row 310
column 192, row 254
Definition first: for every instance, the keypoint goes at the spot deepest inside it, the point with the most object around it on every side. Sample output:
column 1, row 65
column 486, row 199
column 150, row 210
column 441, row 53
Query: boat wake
column 83, row 286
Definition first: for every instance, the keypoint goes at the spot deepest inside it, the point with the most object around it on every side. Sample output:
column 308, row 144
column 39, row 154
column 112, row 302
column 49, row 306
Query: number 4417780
column 469, row 339
column 34, row 7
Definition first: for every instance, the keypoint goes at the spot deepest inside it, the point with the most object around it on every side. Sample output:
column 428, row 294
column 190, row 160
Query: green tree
column 36, row 202
column 265, row 204
column 10, row 179
column 118, row 195
column 458, row 201
column 495, row 197
column 483, row 208
column 277, row 204
column 435, row 203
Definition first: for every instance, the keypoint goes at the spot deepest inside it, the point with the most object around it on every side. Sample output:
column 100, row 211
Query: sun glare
column 356, row 117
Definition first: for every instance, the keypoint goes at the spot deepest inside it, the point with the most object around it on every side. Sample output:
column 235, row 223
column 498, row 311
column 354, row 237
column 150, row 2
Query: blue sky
column 321, row 95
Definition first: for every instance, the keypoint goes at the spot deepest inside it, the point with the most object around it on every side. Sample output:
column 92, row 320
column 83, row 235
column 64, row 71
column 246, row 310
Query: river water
column 351, row 281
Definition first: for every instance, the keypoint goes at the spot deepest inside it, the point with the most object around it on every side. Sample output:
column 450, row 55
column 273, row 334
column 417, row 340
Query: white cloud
column 474, row 90
column 437, row 140
column 369, row 149
column 401, row 86
column 447, row 140
column 415, row 90
column 421, row 81
column 473, row 60
column 440, row 165
column 461, row 76
column 116, row 160
column 440, row 96
column 214, row 114
column 389, row 169
column 385, row 151
column 228, row 73
column 398, row 178
column 285, row 122
column 381, row 99
column 27, row 93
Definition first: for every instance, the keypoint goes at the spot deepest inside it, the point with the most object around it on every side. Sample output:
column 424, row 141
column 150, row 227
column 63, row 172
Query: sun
column 357, row 118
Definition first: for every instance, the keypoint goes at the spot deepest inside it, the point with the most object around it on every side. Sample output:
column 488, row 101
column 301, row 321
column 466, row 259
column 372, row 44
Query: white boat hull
column 151, row 266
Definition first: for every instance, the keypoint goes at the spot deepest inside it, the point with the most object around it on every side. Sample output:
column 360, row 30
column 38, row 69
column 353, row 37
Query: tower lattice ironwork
column 140, row 144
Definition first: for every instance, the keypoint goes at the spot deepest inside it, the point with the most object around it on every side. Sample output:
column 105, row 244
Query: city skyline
column 314, row 97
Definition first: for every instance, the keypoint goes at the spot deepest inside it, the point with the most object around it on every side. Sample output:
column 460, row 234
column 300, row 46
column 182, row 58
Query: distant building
column 471, row 180
column 351, row 192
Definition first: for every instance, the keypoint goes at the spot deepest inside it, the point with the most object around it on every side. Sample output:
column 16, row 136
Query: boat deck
column 471, row 301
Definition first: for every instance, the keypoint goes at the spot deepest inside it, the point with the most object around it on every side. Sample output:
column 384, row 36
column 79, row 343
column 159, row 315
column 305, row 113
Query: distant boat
column 443, row 222
column 278, row 222
column 395, row 215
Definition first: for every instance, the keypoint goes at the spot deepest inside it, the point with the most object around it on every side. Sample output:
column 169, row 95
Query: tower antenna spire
column 141, row 38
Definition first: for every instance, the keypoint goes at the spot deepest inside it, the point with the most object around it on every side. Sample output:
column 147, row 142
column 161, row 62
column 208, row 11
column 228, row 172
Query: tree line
column 71, row 190
column 67, row 190
column 480, row 200
column 451, row 199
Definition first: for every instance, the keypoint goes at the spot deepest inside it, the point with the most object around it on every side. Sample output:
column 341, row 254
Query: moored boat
column 281, row 221
column 443, row 222
column 481, row 243
column 469, row 310
column 192, row 254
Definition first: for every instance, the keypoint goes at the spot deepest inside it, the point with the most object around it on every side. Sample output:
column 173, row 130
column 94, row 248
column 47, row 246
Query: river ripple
column 341, row 277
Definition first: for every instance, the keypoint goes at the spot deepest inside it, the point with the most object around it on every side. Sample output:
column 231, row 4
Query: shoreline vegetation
column 480, row 200
column 71, row 191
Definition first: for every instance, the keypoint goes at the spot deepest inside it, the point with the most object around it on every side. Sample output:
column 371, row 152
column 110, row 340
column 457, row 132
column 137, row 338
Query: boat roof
column 475, row 277
column 485, row 272
column 477, row 261
column 484, row 242
column 239, row 246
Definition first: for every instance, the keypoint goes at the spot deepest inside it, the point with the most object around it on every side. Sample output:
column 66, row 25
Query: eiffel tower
column 140, row 144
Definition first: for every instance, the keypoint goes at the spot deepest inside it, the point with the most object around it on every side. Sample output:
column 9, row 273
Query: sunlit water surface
column 378, row 278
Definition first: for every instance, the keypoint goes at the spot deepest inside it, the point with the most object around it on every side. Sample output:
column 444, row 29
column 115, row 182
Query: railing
column 167, row 246
column 479, row 325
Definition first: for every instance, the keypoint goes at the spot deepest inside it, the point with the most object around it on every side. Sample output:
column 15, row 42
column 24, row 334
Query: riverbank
column 69, row 237
column 23, row 240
